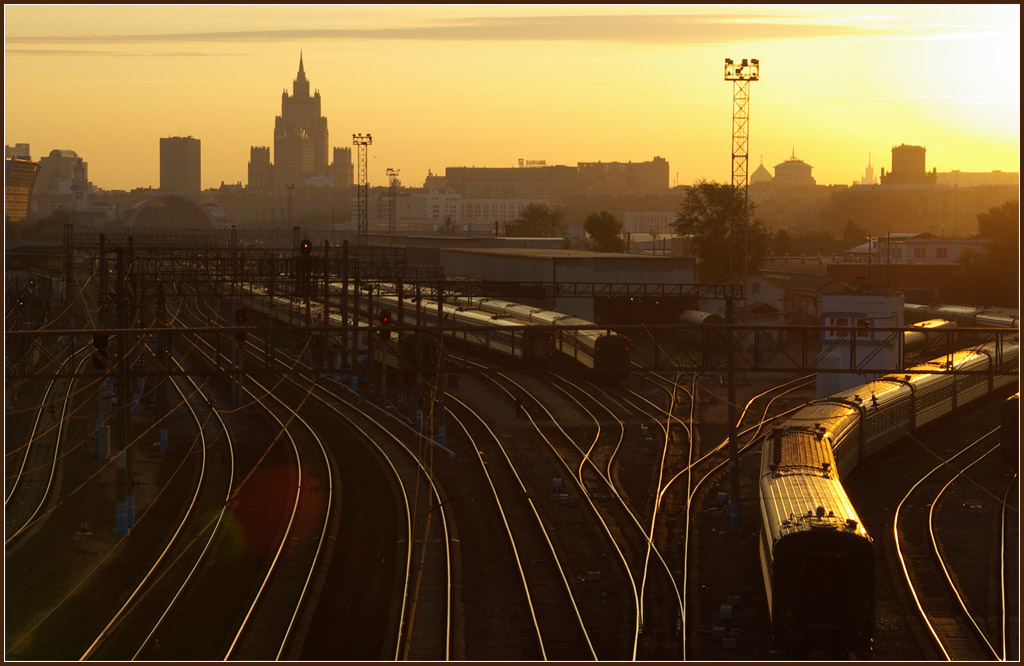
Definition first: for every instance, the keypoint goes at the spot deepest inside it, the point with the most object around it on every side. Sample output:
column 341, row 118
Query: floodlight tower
column 741, row 75
column 362, row 142
column 393, row 196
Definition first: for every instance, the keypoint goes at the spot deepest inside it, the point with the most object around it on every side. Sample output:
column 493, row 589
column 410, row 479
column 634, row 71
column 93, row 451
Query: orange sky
column 465, row 85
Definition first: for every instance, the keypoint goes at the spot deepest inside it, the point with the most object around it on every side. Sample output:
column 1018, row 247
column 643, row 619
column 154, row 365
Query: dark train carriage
column 823, row 591
column 611, row 357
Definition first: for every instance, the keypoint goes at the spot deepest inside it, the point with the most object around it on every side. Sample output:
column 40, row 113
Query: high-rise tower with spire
column 300, row 135
column 869, row 174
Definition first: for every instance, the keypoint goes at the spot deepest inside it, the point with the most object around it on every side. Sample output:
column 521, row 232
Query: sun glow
column 484, row 85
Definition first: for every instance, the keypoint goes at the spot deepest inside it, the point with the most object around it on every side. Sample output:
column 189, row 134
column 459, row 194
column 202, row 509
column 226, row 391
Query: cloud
column 114, row 54
column 635, row 29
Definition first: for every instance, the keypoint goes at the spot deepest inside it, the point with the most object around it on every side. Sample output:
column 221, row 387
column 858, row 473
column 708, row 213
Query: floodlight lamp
column 728, row 61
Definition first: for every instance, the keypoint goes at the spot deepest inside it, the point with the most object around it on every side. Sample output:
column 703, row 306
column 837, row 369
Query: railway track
column 420, row 623
column 656, row 623
column 554, row 621
column 957, row 633
column 132, row 632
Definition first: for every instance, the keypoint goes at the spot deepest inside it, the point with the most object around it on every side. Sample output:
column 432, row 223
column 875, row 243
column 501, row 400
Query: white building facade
column 849, row 339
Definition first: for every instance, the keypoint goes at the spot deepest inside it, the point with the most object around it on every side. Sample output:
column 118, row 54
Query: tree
column 852, row 232
column 990, row 277
column 50, row 227
column 540, row 220
column 606, row 232
column 782, row 244
column 707, row 216
column 1001, row 223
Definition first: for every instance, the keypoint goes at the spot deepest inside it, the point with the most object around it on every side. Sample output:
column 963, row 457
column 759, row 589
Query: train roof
column 800, row 493
column 882, row 389
column 789, row 449
column 827, row 414
column 934, row 323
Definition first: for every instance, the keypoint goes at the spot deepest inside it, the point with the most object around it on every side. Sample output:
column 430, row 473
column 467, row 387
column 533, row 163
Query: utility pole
column 124, row 508
column 325, row 313
column 163, row 362
column 392, row 198
column 440, row 404
column 103, row 281
column 355, row 333
column 344, row 304
column 362, row 142
column 734, row 462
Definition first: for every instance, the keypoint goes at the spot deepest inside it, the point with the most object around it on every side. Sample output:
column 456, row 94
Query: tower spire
column 302, row 71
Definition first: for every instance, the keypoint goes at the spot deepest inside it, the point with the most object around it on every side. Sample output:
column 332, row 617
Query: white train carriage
column 925, row 335
column 886, row 406
column 945, row 383
column 501, row 334
column 994, row 319
column 605, row 352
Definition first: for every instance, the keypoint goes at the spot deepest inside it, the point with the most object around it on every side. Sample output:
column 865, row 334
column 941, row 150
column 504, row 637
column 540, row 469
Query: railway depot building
column 601, row 287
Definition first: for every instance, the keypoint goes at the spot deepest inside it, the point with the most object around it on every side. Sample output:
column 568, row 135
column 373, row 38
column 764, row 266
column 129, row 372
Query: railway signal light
column 385, row 322
column 306, row 247
column 240, row 321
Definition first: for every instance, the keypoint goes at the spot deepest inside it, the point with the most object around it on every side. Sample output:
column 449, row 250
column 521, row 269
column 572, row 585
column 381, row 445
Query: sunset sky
column 465, row 85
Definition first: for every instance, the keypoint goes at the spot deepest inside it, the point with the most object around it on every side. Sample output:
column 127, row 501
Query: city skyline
column 444, row 86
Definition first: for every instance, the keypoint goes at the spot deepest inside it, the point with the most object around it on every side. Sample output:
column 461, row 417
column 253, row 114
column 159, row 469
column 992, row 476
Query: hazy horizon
column 463, row 85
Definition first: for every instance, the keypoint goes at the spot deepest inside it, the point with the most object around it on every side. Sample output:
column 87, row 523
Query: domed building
column 760, row 175
column 168, row 212
column 793, row 173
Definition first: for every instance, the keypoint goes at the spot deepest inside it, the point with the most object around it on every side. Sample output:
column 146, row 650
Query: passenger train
column 924, row 336
column 603, row 351
column 817, row 558
column 535, row 340
column 963, row 316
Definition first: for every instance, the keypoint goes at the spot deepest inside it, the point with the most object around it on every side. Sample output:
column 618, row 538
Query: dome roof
column 168, row 211
column 760, row 175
